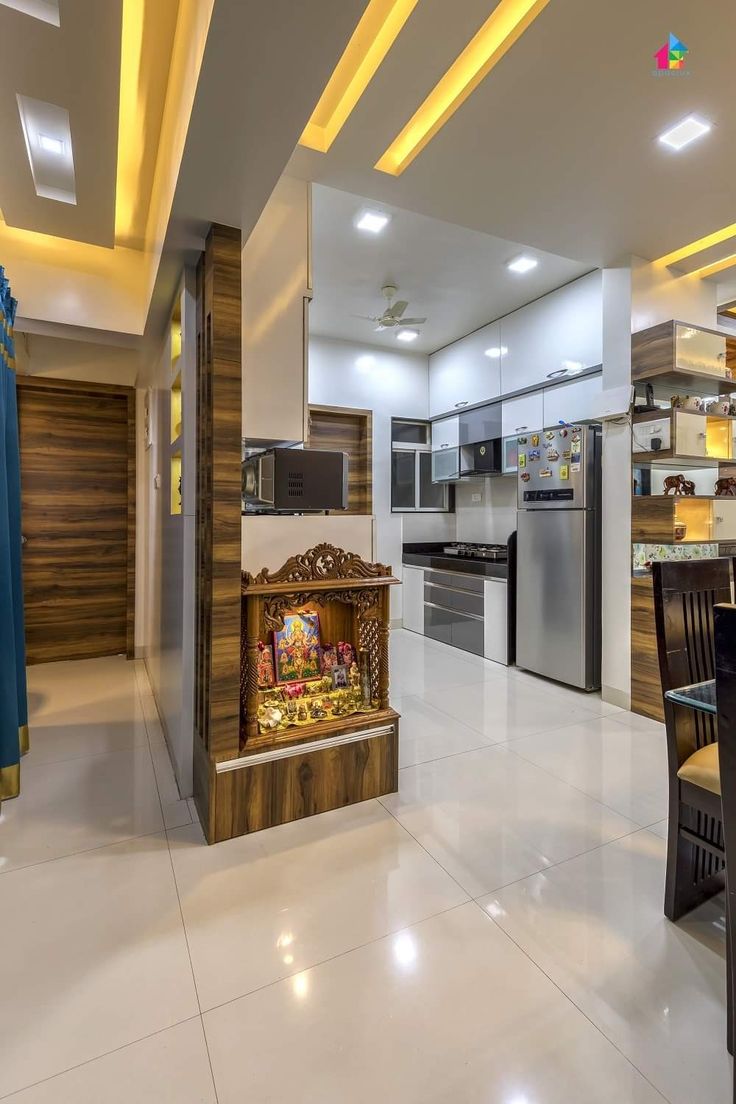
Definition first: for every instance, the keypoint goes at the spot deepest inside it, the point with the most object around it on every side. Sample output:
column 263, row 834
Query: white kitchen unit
column 571, row 402
column 522, row 415
column 276, row 283
column 724, row 519
column 446, row 434
column 412, row 598
column 561, row 331
column 495, row 620
column 467, row 372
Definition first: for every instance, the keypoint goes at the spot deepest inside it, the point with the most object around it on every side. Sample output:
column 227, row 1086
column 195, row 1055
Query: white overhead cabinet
column 558, row 334
column 523, row 415
column 571, row 402
column 463, row 375
column 276, row 293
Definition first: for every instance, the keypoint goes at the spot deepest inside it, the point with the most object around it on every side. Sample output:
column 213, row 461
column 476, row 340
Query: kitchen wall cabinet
column 570, row 402
column 445, row 434
column 481, row 424
column 412, row 595
column 523, row 415
column 446, row 465
column 276, row 290
column 562, row 330
column 462, row 375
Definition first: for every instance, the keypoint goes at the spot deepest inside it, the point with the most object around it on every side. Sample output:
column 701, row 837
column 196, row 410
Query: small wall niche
column 176, row 483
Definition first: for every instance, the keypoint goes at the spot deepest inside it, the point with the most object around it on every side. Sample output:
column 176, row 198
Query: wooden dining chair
column 725, row 649
column 685, row 594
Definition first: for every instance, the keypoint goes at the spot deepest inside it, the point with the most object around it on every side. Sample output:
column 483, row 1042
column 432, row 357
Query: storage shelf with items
column 683, row 435
column 674, row 520
column 314, row 650
column 679, row 357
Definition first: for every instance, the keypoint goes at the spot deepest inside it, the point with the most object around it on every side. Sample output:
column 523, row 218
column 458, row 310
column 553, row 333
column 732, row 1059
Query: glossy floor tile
column 97, row 958
column 446, row 1011
column 340, row 958
column 655, row 989
column 489, row 817
column 623, row 767
column 170, row 1067
column 78, row 804
column 428, row 734
column 264, row 906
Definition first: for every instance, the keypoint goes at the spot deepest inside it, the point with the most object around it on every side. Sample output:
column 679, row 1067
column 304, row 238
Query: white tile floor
column 492, row 933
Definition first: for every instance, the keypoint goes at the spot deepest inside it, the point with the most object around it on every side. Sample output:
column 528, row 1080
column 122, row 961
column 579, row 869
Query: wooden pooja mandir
column 349, row 752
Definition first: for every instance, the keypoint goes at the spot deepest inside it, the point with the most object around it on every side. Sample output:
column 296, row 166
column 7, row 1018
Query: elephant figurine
column 726, row 487
column 678, row 485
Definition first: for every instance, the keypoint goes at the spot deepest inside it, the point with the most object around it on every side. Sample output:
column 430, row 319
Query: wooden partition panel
column 348, row 431
column 218, row 553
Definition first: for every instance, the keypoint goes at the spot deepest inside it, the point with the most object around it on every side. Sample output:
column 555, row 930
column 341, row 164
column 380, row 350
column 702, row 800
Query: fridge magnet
column 535, row 439
column 266, row 677
column 564, row 471
column 535, row 454
column 545, row 473
column 525, row 476
column 522, row 460
column 296, row 648
column 550, row 435
column 566, row 454
column 522, row 440
column 340, row 677
column 563, row 432
column 345, row 652
column 553, row 454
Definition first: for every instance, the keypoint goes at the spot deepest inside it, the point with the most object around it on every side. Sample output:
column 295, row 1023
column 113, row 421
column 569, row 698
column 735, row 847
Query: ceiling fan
column 393, row 315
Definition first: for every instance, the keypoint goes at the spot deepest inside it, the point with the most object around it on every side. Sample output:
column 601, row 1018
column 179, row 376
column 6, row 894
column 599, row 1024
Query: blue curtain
column 13, row 698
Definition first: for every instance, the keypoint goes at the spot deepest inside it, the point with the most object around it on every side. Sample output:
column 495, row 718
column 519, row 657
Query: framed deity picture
column 340, row 677
column 296, row 648
column 265, row 666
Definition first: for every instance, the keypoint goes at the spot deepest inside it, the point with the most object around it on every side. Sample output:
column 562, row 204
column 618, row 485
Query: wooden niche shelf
column 341, row 746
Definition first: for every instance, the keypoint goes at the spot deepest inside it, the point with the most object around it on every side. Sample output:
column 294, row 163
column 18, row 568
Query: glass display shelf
column 701, row 696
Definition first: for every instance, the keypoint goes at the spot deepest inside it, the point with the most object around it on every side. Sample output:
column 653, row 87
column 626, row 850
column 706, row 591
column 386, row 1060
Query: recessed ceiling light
column 372, row 221
column 407, row 335
column 522, row 264
column 51, row 145
column 677, row 137
column 496, row 351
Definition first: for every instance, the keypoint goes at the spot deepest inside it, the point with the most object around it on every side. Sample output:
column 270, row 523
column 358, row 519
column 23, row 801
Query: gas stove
column 497, row 552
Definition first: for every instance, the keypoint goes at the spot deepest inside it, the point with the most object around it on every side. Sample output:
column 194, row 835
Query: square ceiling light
column 48, row 140
column 681, row 135
column 372, row 221
column 522, row 264
column 46, row 10
column 407, row 335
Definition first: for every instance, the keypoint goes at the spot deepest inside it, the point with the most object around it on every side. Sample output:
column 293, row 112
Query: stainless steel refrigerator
column 558, row 592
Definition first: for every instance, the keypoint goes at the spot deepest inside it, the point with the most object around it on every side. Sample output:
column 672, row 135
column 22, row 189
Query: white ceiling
column 557, row 147
column 455, row 277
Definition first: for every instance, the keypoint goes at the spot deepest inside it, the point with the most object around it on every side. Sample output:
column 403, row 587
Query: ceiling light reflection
column 300, row 986
column 405, row 949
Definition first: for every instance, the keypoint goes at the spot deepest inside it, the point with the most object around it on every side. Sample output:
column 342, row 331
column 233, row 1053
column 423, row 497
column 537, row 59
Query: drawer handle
column 464, row 403
column 454, row 612
column 455, row 589
column 558, row 374
column 520, row 429
column 448, row 444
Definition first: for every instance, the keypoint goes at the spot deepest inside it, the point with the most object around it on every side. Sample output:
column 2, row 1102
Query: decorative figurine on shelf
column 266, row 677
column 301, row 714
column 686, row 402
column 726, row 487
column 678, row 485
column 354, row 676
column 270, row 717
column 296, row 648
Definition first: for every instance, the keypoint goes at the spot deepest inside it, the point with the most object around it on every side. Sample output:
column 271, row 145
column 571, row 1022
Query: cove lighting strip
column 494, row 39
column 371, row 41
column 698, row 246
column 716, row 267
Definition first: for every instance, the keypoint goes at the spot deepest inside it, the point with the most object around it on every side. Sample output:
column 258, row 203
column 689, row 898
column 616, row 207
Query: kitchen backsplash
column 491, row 520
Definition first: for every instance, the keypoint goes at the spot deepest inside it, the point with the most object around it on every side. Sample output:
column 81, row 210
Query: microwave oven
column 294, row 480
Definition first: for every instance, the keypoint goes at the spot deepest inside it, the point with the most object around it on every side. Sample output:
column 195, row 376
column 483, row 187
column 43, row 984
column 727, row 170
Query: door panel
column 77, row 486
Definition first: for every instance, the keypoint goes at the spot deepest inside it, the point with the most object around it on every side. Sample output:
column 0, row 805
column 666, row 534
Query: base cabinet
column 412, row 597
column 495, row 633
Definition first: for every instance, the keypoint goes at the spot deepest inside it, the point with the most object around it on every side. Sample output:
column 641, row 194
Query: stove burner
column 477, row 551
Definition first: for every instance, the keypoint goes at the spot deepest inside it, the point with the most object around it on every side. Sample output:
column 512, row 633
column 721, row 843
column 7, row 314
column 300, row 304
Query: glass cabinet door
column 445, row 465
column 432, row 496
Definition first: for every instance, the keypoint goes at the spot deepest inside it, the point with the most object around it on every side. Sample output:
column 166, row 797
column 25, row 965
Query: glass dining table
column 701, row 696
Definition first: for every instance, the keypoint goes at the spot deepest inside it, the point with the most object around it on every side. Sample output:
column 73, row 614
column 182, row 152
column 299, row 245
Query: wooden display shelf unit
column 290, row 773
column 655, row 519
column 680, row 357
column 687, row 436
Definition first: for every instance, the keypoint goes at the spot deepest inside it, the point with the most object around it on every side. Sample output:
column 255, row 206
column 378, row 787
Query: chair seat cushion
column 701, row 769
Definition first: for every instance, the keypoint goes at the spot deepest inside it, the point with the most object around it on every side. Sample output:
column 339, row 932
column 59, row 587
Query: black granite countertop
column 432, row 556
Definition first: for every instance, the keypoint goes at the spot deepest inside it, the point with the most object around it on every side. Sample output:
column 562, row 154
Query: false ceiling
column 557, row 147
column 455, row 277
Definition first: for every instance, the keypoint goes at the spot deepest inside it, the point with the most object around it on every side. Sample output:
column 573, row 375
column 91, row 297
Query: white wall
column 491, row 520
column 62, row 358
column 393, row 385
column 659, row 295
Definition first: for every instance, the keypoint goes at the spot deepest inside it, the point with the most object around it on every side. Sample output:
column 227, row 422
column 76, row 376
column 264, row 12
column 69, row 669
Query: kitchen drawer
column 467, row 633
column 438, row 624
column 456, row 579
column 449, row 598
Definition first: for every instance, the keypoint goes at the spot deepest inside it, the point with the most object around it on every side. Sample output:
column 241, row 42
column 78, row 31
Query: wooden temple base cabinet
column 292, row 772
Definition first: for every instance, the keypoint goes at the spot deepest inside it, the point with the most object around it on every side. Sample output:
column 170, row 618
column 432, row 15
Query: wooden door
column 77, row 459
column 346, row 431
